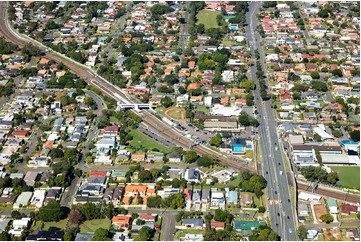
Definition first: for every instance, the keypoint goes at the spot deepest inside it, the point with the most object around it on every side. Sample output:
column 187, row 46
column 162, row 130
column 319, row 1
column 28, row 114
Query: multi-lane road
column 280, row 207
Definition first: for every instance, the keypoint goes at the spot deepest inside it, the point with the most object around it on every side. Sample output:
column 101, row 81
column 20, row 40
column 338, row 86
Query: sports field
column 349, row 175
column 208, row 18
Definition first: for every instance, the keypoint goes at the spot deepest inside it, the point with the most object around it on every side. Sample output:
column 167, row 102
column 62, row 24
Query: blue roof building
column 232, row 197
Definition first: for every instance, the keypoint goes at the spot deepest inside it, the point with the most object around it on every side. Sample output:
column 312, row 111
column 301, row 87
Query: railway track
column 109, row 90
column 342, row 197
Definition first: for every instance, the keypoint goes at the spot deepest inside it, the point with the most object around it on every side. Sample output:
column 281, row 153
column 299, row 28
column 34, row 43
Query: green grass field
column 349, row 175
column 208, row 18
column 92, row 225
column 140, row 139
column 60, row 224
column 175, row 114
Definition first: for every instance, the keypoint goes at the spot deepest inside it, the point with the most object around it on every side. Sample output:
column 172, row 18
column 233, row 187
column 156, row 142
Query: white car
column 290, row 231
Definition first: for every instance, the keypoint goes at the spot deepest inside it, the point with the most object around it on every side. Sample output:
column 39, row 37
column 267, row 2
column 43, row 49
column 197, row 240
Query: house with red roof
column 98, row 173
column 111, row 130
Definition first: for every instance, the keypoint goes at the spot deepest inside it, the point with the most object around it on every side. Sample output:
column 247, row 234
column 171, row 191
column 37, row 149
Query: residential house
column 353, row 234
column 121, row 222
column 332, row 206
column 232, row 197
column 217, row 225
column 31, row 177
column 217, row 200
column 19, row 225
column 52, row 234
column 303, row 209
column 192, row 175
column 193, row 223
column 347, row 209
column 241, row 225
column 174, row 157
column 38, row 198
column 246, row 199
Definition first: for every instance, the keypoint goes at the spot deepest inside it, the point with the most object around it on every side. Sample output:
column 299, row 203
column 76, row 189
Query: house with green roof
column 332, row 206
column 241, row 225
column 119, row 175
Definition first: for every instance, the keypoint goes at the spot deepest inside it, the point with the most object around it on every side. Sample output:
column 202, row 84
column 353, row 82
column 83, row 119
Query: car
column 284, row 213
column 289, row 200
column 277, row 225
column 278, row 214
column 275, row 192
column 279, row 163
column 266, row 172
column 290, row 230
column 288, row 217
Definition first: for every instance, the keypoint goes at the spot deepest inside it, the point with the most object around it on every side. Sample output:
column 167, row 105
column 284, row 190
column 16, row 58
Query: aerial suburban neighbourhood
column 180, row 121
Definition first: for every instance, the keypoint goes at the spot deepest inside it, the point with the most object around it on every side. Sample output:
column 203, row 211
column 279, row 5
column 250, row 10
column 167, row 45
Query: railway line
column 342, row 197
column 113, row 92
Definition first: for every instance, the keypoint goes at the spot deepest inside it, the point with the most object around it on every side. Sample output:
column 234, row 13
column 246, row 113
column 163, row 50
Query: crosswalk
column 274, row 202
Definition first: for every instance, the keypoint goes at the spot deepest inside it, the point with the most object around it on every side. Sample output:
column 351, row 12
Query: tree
column 145, row 176
column 319, row 86
column 323, row 13
column 75, row 218
column 51, row 212
column 327, row 218
column 261, row 209
column 263, row 233
column 332, row 177
column 143, row 234
column 191, row 156
column 216, row 140
column 222, row 215
column 68, row 236
column 243, row 119
column 315, row 75
column 355, row 135
column 154, row 202
column 302, row 232
column 337, row 133
column 56, row 153
column 101, row 234
column 204, row 161
column 337, row 73
column 4, row 236
column 166, row 102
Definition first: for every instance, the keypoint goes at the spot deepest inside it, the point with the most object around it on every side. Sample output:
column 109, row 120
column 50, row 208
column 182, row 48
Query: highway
column 115, row 92
column 280, row 208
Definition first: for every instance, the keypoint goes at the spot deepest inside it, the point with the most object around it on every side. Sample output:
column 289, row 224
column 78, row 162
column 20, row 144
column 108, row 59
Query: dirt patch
column 319, row 209
column 174, row 113
column 332, row 234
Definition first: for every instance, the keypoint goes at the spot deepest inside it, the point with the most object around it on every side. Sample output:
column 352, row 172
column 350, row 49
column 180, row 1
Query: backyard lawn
column 92, row 225
column 140, row 139
column 349, row 175
column 208, row 18
column 60, row 224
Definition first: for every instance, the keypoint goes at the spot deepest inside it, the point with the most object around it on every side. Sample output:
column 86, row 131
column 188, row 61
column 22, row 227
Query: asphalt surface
column 183, row 37
column 278, row 192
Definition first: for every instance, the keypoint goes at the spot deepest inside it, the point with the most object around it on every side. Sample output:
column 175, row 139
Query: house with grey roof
column 193, row 223
column 192, row 175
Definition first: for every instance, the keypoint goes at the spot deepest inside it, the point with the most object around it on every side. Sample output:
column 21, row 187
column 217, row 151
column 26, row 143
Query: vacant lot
column 319, row 209
column 92, row 225
column 208, row 18
column 349, row 175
